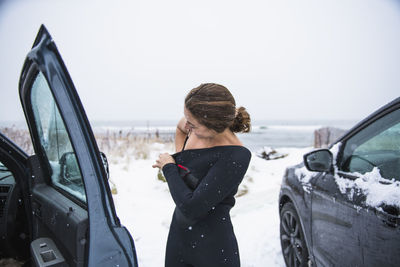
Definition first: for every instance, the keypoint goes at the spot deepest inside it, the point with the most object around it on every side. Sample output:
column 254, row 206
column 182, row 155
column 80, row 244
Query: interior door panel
column 62, row 220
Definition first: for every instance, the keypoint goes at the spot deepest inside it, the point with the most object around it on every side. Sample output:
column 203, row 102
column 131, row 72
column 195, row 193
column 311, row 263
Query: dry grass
column 20, row 137
column 128, row 144
column 117, row 145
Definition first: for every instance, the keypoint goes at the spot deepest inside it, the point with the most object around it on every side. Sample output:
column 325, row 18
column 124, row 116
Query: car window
column 6, row 176
column 55, row 142
column 378, row 145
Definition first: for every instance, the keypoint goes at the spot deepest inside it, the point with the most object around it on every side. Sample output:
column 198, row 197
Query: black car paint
column 311, row 209
column 108, row 243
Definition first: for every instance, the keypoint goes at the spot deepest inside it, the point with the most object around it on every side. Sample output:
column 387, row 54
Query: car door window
column 377, row 145
column 55, row 142
column 5, row 175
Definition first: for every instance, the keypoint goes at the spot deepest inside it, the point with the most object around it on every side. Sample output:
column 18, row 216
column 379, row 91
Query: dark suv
column 56, row 207
column 341, row 206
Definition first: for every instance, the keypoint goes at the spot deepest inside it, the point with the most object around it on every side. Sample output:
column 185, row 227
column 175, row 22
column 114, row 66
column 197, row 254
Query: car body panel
column 335, row 225
column 339, row 227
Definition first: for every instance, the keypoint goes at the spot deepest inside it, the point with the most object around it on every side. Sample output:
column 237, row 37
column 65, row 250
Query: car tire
column 294, row 248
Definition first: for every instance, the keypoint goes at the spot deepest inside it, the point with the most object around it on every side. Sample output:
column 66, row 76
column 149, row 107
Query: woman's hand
column 163, row 159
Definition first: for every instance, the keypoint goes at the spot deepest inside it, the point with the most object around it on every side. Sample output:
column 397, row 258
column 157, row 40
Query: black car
column 56, row 207
column 341, row 206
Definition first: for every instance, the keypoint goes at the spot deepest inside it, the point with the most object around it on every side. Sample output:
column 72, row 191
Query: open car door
column 74, row 220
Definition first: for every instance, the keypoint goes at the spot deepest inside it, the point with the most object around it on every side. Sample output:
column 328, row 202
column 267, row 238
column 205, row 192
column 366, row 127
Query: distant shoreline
column 275, row 134
column 166, row 124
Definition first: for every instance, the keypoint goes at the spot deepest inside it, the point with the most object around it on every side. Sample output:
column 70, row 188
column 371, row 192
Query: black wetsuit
column 201, row 232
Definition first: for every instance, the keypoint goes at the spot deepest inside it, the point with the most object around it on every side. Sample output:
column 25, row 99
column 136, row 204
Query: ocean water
column 287, row 134
column 275, row 134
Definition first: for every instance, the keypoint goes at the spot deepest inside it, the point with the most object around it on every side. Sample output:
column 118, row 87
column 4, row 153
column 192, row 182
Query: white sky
column 282, row 60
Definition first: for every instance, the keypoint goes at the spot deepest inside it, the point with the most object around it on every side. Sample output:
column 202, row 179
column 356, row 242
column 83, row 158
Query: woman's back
column 201, row 217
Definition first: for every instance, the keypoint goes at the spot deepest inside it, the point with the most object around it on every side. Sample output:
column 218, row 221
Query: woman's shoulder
column 235, row 148
column 236, row 151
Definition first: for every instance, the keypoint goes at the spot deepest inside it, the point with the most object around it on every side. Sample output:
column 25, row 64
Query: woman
column 203, row 177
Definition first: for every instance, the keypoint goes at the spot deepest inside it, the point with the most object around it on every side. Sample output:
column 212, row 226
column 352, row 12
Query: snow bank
column 145, row 207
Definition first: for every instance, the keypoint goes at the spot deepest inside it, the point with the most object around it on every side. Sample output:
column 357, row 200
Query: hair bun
column 242, row 121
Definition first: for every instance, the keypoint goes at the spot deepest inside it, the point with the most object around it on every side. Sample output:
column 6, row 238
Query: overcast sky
column 282, row 60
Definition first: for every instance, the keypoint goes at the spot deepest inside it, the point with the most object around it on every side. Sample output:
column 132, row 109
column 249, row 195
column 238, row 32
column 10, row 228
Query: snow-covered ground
column 145, row 207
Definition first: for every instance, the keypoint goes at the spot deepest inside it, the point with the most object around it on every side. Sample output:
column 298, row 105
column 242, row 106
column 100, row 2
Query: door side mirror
column 69, row 169
column 319, row 160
